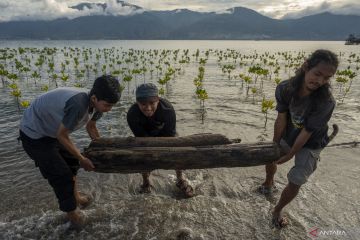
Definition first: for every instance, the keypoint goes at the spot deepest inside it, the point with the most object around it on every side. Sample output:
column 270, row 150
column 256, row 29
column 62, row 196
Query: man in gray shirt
column 45, row 134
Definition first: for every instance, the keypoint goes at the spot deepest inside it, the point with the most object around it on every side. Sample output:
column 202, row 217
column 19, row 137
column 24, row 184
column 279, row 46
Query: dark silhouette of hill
column 237, row 23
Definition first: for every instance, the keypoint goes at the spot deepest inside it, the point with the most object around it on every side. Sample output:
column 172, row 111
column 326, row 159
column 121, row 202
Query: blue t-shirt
column 69, row 106
column 304, row 112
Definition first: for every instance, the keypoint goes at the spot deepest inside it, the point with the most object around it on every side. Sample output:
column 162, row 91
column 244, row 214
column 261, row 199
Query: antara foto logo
column 314, row 232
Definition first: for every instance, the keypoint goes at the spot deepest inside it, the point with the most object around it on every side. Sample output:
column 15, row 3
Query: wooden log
column 131, row 155
column 142, row 159
column 205, row 139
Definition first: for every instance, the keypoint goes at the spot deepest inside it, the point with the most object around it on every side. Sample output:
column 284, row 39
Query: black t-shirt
column 304, row 112
column 161, row 124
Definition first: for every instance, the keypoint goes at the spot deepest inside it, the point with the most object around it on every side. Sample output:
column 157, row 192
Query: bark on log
column 206, row 139
column 138, row 159
column 199, row 151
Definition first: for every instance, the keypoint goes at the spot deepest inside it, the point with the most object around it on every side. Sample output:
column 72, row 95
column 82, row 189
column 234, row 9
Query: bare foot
column 83, row 200
column 185, row 187
column 76, row 218
column 279, row 221
column 145, row 188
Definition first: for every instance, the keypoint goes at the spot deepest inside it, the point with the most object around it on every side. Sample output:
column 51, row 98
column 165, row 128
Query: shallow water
column 226, row 205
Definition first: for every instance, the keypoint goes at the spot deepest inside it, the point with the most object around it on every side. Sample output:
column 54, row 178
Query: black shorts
column 56, row 165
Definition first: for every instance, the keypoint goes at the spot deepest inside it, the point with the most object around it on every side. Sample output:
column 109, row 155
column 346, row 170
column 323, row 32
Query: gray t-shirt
column 304, row 112
column 69, row 106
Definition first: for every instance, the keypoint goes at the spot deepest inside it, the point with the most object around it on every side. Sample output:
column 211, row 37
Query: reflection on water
column 226, row 205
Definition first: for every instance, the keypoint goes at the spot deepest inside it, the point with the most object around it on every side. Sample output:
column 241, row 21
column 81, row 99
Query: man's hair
column 106, row 88
column 319, row 56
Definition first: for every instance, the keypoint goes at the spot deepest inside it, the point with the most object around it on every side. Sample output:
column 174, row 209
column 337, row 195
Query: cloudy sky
column 51, row 9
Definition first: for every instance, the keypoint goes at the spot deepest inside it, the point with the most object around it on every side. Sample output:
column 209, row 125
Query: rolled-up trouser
column 56, row 165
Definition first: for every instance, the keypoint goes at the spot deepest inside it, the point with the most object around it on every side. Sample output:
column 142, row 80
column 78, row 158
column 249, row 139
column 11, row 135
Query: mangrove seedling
column 16, row 92
column 253, row 91
column 25, row 103
column 127, row 79
column 266, row 105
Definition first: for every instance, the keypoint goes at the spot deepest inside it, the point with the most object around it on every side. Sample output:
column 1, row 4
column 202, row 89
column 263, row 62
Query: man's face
column 148, row 106
column 101, row 105
column 318, row 76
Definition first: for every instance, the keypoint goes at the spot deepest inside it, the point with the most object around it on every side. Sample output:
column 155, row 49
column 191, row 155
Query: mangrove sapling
column 257, row 71
column 144, row 70
column 25, row 103
column 277, row 71
column 163, row 82
column 54, row 77
column 248, row 81
column 16, row 92
column 26, row 70
column 95, row 71
column 51, row 66
column 241, row 77
column 18, row 65
column 202, row 96
column 127, row 78
column 88, row 67
column 79, row 79
column 135, row 72
column 253, row 91
column 263, row 73
column 266, row 105
column 3, row 73
column 202, row 61
column 35, row 75
column 345, row 79
column 197, row 54
column 277, row 81
column 45, row 88
column 116, row 73
column 103, row 69
column 64, row 78
column 12, row 77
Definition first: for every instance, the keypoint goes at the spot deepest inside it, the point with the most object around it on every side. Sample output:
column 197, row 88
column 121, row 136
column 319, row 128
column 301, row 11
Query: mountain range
column 234, row 23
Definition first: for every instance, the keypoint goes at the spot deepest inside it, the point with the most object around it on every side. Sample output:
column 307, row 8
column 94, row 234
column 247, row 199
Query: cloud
column 274, row 9
column 326, row 6
column 347, row 9
column 54, row 9
column 323, row 7
column 116, row 9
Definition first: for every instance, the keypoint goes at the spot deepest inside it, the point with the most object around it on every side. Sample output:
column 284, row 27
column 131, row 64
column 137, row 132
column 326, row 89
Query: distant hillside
column 238, row 23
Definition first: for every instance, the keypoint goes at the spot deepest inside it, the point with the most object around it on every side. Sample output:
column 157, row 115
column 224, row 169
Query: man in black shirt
column 305, row 105
column 152, row 116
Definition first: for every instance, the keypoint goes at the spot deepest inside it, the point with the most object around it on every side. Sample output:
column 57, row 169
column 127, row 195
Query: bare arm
column 64, row 138
column 300, row 141
column 92, row 130
column 279, row 126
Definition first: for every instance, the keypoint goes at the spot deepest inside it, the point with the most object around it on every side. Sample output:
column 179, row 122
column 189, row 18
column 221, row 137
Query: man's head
column 147, row 98
column 315, row 73
column 319, row 68
column 105, row 93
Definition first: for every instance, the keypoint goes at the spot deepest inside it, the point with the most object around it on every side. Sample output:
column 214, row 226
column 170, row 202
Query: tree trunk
column 142, row 159
column 205, row 139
